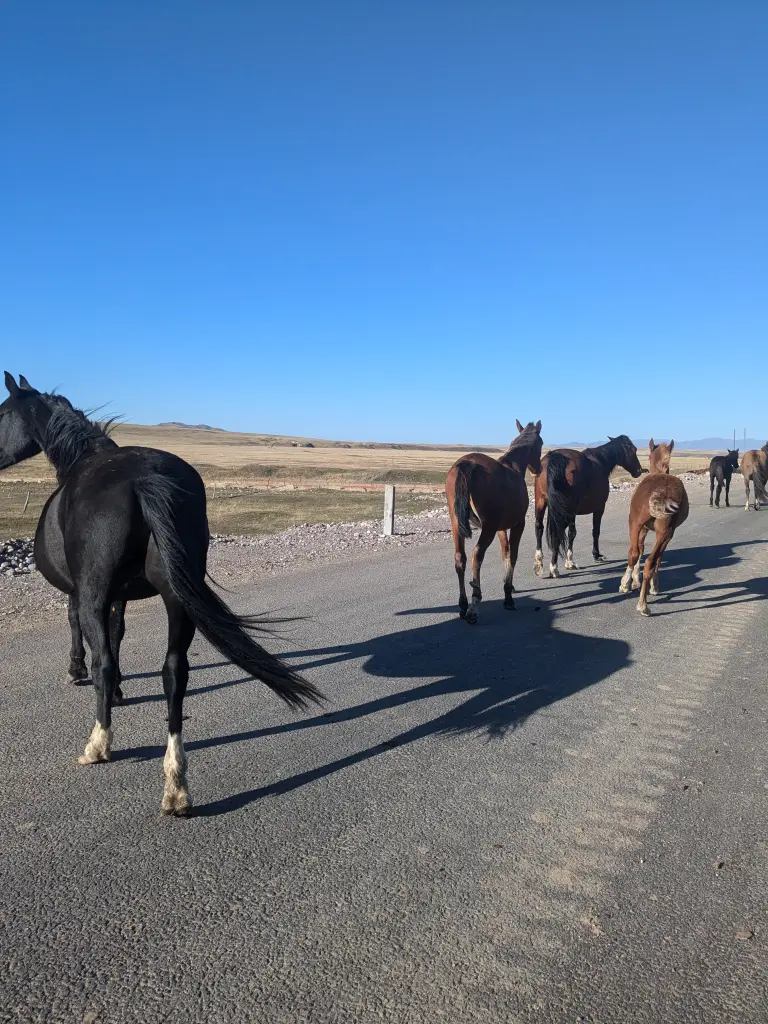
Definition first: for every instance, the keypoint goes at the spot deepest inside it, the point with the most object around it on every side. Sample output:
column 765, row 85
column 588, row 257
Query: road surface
column 557, row 815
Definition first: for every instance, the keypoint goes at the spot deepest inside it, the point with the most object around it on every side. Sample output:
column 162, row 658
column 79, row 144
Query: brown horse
column 660, row 503
column 575, row 483
column 754, row 467
column 491, row 494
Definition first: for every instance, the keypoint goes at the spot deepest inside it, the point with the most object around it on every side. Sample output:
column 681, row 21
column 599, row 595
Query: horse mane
column 608, row 454
column 523, row 440
column 70, row 433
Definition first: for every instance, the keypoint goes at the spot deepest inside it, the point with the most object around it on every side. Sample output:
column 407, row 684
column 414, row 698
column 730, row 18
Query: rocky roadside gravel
column 236, row 561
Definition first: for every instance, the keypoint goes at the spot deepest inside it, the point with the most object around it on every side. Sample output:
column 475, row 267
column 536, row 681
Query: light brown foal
column 660, row 503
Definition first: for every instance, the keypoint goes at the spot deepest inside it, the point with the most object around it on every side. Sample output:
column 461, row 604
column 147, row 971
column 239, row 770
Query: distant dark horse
column 721, row 469
column 491, row 493
column 126, row 524
column 575, row 483
column 660, row 503
column 754, row 467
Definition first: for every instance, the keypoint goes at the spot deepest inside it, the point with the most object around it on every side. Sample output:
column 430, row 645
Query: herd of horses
column 128, row 523
column 492, row 495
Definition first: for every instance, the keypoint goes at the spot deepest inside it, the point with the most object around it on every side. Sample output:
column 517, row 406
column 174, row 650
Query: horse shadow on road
column 490, row 679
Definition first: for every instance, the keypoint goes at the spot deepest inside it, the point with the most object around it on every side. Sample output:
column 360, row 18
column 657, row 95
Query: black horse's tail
column 558, row 513
column 167, row 510
column 461, row 504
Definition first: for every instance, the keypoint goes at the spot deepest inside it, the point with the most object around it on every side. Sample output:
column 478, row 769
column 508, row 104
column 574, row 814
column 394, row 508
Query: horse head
column 23, row 418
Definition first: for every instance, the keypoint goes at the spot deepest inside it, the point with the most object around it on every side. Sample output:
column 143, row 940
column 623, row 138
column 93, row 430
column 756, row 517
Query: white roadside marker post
column 389, row 510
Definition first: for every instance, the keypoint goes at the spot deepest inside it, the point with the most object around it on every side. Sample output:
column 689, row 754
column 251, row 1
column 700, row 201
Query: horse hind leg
column 636, row 542
column 483, row 541
column 569, row 562
column 746, row 486
column 515, row 534
column 460, row 562
column 181, row 630
column 727, row 491
column 94, row 616
column 116, row 634
column 711, row 488
column 718, row 492
column 77, row 671
column 652, row 566
column 509, row 602
column 538, row 561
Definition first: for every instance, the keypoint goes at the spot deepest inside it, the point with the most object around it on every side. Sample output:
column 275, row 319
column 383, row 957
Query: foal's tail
column 461, row 506
column 558, row 513
column 662, row 507
column 168, row 513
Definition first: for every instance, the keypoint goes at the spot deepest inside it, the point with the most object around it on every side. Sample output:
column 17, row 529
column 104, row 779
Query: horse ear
column 538, row 426
column 611, row 438
column 651, row 445
column 24, row 383
column 520, row 426
column 10, row 383
column 671, row 445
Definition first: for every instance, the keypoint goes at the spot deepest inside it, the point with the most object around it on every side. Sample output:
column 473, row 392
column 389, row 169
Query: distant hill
column 703, row 444
column 191, row 426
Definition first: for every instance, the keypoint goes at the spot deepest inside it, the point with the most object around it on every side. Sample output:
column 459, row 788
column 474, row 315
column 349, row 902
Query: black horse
column 720, row 469
column 126, row 524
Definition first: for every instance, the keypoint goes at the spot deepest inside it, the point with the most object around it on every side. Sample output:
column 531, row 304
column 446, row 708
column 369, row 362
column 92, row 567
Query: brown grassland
column 259, row 483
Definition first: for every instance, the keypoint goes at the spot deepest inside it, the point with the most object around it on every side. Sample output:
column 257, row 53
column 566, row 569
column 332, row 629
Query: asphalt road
column 556, row 815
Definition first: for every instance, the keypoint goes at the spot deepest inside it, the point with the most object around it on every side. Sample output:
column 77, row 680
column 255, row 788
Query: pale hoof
column 600, row 558
column 94, row 757
column 97, row 749
column 643, row 609
column 178, row 804
column 538, row 570
column 624, row 588
column 571, row 565
column 554, row 573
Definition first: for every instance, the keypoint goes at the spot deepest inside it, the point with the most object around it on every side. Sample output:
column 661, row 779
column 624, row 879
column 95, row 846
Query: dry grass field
column 258, row 483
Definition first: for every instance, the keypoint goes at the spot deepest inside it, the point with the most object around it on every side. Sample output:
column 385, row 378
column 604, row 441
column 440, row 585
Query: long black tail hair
column 168, row 511
column 558, row 513
column 461, row 504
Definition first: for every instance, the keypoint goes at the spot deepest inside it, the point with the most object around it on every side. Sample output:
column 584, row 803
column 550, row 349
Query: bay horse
column 124, row 524
column 754, row 467
column 492, row 494
column 660, row 503
column 721, row 469
column 576, row 483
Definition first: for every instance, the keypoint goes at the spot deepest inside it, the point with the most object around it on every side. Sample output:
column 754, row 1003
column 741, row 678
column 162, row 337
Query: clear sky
column 392, row 220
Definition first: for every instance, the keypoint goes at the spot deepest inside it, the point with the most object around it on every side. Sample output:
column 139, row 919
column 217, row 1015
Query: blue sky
column 394, row 221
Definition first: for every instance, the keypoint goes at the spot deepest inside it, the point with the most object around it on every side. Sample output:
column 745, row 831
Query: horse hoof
column 600, row 558
column 178, row 806
column 644, row 612
column 118, row 698
column 510, row 606
column 538, row 570
column 471, row 618
column 623, row 589
column 462, row 613
column 77, row 679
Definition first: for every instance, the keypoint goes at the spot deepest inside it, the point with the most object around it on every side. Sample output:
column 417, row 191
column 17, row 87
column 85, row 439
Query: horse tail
column 461, row 506
column 558, row 513
column 184, row 564
column 760, row 477
column 662, row 507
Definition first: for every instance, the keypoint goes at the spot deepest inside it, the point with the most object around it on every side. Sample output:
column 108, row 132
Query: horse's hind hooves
column 510, row 606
